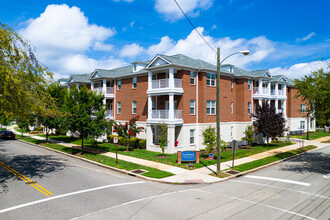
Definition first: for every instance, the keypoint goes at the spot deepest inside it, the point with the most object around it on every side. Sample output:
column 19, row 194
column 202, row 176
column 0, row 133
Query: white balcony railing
column 109, row 113
column 164, row 83
column 109, row 90
column 264, row 90
column 255, row 90
column 100, row 89
column 280, row 92
column 164, row 114
column 272, row 92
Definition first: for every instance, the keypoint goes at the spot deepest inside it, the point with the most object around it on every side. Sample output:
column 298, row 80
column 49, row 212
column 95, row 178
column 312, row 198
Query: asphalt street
column 36, row 183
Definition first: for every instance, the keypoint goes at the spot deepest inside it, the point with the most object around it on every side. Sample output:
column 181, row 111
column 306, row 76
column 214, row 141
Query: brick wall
column 293, row 103
column 243, row 97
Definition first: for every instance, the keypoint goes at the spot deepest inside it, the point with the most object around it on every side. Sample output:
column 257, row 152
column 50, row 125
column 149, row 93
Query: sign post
column 115, row 141
column 234, row 152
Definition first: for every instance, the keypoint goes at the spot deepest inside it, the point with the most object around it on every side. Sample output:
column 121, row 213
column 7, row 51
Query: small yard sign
column 188, row 156
column 115, row 140
column 211, row 156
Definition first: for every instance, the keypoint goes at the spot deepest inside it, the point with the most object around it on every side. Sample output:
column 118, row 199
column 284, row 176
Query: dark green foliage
column 162, row 138
column 249, row 135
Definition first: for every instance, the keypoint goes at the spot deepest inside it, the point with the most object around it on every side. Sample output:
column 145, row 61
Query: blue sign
column 187, row 156
column 211, row 156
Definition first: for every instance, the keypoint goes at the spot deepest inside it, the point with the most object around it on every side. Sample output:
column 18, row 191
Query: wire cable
column 194, row 26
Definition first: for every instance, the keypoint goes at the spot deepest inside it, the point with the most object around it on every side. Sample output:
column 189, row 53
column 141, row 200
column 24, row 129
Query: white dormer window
column 134, row 67
column 231, row 69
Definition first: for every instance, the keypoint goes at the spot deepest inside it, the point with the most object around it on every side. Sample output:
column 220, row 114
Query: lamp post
column 244, row 52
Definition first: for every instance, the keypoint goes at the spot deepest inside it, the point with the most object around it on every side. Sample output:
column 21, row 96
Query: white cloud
column 307, row 37
column 195, row 47
column 132, row 24
column 300, row 70
column 173, row 13
column 214, row 27
column 131, row 50
column 99, row 46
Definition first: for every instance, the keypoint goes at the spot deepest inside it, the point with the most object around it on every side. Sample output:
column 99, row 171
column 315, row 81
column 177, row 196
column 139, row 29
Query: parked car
column 7, row 135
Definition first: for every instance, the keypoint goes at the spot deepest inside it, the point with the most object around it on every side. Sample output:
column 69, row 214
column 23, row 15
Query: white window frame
column 302, row 108
column 153, row 104
column 192, row 106
column 134, row 108
column 210, row 104
column 192, row 136
column 134, row 82
column 118, row 107
column 192, row 78
column 249, row 84
column 210, row 79
column 232, row 107
column 119, row 84
column 134, row 67
column 232, row 132
column 249, row 107
column 232, row 83
column 302, row 125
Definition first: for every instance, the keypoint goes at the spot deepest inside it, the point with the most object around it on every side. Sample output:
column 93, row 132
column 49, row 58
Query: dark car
column 7, row 135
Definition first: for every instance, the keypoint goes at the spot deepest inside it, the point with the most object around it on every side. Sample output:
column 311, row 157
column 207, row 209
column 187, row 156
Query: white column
column 92, row 85
column 149, row 136
column 171, row 77
column 284, row 108
column 268, row 87
column 149, row 107
column 268, row 101
column 104, row 86
column 170, row 138
column 284, row 89
column 276, row 88
column 260, row 86
column 171, row 107
column 104, row 101
column 149, row 80
column 260, row 102
column 276, row 104
column 114, row 99
column 77, row 85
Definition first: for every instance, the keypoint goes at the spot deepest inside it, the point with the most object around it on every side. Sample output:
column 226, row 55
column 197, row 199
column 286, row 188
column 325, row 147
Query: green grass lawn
column 312, row 135
column 267, row 160
column 172, row 158
column 328, row 141
column 153, row 173
column 20, row 130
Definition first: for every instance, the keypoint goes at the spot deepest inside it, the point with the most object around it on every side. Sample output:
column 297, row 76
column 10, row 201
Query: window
column 134, row 82
column 249, row 107
column 249, row 84
column 153, row 104
column 134, row 107
column 119, row 85
column 118, row 107
column 210, row 79
column 192, row 78
column 231, row 131
column 232, row 107
column 302, row 108
column 134, row 67
column 192, row 136
column 154, row 76
column 192, row 107
column 232, row 83
column 302, row 125
column 210, row 107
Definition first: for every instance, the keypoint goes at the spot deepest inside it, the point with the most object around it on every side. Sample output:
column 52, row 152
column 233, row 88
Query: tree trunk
column 82, row 143
column 47, row 135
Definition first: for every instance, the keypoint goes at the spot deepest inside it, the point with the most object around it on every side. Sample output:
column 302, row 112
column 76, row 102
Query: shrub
column 40, row 128
column 249, row 135
column 36, row 132
column 133, row 142
column 123, row 141
column 110, row 138
column 142, row 143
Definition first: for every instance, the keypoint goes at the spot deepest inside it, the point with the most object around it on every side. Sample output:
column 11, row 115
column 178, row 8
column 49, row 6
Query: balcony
column 263, row 91
column 108, row 91
column 272, row 92
column 109, row 114
column 280, row 92
column 158, row 116
column 164, row 85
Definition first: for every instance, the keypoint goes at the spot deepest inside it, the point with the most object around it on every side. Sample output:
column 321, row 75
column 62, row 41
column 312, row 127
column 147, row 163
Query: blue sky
column 287, row 37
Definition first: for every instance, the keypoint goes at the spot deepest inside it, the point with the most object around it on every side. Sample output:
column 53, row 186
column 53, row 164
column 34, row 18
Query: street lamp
column 244, row 52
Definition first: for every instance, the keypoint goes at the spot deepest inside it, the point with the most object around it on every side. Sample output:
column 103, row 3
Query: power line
column 194, row 26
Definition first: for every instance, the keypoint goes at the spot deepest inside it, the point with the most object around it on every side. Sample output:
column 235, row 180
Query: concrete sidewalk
column 182, row 175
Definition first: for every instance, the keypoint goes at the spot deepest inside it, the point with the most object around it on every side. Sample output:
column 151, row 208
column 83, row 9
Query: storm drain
column 139, row 171
column 232, row 172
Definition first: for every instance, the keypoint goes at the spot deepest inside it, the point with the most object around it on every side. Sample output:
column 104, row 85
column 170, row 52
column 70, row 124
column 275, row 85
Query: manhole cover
column 139, row 171
column 232, row 172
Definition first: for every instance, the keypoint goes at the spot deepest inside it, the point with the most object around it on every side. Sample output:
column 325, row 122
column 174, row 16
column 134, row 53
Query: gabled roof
column 116, row 73
column 80, row 78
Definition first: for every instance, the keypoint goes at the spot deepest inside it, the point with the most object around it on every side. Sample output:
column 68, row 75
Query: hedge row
column 134, row 142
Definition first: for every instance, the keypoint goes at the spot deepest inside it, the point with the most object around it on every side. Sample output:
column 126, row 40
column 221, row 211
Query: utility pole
column 218, row 112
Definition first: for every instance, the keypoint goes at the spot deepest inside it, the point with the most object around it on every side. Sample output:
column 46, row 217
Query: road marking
column 65, row 195
column 269, row 206
column 27, row 180
column 260, row 184
column 133, row 201
column 278, row 180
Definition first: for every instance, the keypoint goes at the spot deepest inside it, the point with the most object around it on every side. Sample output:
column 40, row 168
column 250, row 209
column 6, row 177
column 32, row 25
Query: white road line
column 65, row 195
column 278, row 180
column 269, row 206
column 133, row 201
column 260, row 184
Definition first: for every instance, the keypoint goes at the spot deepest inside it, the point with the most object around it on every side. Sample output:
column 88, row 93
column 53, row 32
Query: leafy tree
column 4, row 120
column 314, row 90
column 128, row 130
column 210, row 140
column 23, row 79
column 162, row 138
column 249, row 135
column 25, row 122
column 268, row 122
column 86, row 113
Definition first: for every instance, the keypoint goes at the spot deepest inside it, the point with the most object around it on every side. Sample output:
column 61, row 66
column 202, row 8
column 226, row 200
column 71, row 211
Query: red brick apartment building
column 181, row 92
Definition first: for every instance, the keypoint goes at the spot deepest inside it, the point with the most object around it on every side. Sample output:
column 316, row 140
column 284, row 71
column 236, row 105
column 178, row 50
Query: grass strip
column 152, row 172
column 327, row 141
column 312, row 135
column 267, row 160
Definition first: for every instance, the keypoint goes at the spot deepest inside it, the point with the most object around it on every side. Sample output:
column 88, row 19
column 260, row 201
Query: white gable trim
column 157, row 57
column 267, row 74
column 70, row 79
column 94, row 73
column 282, row 78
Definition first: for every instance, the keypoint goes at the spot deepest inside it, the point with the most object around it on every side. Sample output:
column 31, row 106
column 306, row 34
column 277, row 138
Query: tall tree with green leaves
column 162, row 137
column 86, row 113
column 23, row 78
column 314, row 90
